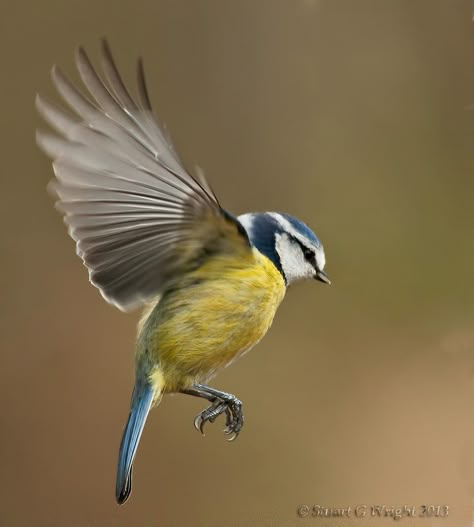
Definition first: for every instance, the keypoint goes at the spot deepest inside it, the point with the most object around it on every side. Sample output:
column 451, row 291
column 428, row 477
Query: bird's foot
column 233, row 410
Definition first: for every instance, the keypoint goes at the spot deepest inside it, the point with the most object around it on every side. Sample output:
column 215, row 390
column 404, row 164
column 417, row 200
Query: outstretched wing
column 138, row 217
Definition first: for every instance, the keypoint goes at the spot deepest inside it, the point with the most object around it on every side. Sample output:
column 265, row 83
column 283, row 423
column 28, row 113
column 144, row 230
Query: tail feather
column 142, row 400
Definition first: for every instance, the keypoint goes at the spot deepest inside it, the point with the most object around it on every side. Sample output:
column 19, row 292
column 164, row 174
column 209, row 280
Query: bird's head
column 289, row 243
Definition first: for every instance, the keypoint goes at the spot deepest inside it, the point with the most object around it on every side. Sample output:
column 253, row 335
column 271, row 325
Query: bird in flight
column 153, row 235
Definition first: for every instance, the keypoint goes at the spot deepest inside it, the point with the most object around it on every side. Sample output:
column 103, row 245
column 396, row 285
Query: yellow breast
column 210, row 317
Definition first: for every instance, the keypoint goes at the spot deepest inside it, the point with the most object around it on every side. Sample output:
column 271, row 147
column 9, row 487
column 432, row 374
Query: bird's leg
column 221, row 402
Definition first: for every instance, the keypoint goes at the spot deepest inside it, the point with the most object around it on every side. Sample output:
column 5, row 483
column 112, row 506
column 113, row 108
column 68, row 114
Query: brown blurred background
column 356, row 117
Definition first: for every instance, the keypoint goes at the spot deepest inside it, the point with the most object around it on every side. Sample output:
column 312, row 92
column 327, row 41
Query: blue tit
column 153, row 235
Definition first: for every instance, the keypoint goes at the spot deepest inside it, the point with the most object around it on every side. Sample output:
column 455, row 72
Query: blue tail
column 142, row 399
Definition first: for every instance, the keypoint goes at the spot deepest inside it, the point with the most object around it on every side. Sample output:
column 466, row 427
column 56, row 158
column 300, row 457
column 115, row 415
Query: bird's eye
column 308, row 253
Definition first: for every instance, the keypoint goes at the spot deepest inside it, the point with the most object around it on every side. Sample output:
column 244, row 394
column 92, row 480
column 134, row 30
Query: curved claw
column 231, row 429
column 210, row 414
column 199, row 424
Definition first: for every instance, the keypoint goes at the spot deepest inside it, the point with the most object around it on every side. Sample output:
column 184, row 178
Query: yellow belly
column 210, row 317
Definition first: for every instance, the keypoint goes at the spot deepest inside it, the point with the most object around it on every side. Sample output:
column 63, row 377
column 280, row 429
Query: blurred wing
column 138, row 217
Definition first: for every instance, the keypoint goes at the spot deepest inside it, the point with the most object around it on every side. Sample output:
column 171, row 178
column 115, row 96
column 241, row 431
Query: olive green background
column 355, row 116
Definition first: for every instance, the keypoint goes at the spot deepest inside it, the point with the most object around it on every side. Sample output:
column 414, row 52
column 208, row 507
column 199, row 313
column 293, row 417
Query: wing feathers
column 114, row 79
column 138, row 217
column 142, row 89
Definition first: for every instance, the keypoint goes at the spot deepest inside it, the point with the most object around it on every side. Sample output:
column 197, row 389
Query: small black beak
column 322, row 277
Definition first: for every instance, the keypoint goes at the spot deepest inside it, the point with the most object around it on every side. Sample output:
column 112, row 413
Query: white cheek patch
column 292, row 260
column 320, row 258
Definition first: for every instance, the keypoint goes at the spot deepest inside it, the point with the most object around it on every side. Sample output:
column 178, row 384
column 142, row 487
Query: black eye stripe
column 307, row 253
